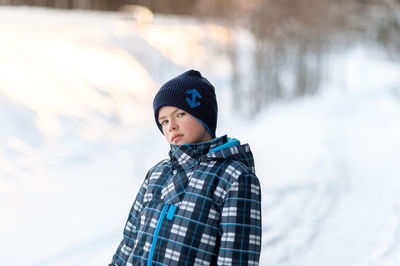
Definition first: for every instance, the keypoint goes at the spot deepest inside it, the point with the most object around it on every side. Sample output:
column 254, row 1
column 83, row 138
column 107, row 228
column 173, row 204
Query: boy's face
column 180, row 127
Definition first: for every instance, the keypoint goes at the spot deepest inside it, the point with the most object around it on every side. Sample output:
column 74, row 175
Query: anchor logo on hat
column 195, row 94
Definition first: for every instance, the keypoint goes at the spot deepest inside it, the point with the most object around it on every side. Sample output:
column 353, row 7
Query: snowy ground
column 78, row 135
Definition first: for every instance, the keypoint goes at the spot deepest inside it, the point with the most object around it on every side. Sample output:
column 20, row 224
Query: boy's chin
column 181, row 141
column 177, row 142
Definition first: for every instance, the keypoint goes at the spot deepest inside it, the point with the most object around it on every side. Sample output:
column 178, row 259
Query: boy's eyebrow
column 161, row 118
column 164, row 116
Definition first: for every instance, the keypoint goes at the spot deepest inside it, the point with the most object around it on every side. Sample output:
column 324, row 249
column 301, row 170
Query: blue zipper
column 156, row 232
column 171, row 212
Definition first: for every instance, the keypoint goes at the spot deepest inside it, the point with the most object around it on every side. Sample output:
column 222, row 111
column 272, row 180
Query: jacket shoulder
column 160, row 164
column 228, row 170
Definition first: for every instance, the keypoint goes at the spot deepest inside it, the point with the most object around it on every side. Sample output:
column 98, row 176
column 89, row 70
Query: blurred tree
column 293, row 39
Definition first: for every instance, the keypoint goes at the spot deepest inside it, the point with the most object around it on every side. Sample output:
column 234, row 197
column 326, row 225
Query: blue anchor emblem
column 195, row 94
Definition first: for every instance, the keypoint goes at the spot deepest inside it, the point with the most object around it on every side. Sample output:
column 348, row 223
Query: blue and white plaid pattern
column 196, row 208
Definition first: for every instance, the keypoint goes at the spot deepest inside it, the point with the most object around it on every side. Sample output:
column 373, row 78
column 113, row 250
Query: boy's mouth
column 175, row 136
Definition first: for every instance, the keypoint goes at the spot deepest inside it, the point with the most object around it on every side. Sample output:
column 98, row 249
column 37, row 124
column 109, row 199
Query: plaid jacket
column 202, row 206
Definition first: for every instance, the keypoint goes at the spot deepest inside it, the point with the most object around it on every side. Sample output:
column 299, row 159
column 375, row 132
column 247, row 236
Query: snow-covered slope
column 78, row 135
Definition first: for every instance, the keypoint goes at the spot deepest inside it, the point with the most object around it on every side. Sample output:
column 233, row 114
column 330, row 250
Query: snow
column 78, row 136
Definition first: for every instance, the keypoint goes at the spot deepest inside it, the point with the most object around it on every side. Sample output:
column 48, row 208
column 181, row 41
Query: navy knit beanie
column 192, row 93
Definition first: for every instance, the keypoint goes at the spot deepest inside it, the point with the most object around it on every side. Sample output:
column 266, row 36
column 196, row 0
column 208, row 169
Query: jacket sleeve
column 240, row 224
column 126, row 246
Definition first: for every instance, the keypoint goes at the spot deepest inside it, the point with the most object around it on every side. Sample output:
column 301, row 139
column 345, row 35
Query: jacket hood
column 220, row 148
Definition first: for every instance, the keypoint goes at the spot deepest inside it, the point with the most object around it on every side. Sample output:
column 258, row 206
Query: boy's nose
column 173, row 126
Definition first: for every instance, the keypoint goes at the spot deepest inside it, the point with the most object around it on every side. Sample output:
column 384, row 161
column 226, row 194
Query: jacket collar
column 183, row 157
column 187, row 155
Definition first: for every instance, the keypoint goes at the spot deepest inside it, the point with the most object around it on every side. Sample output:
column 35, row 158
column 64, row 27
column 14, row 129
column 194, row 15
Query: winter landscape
column 77, row 137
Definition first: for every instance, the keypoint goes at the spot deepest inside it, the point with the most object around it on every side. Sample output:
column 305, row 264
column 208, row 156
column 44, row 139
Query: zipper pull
column 171, row 212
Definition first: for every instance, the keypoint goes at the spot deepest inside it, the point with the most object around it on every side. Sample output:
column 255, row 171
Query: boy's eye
column 164, row 122
column 180, row 114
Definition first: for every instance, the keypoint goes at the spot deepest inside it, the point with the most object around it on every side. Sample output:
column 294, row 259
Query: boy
column 202, row 205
